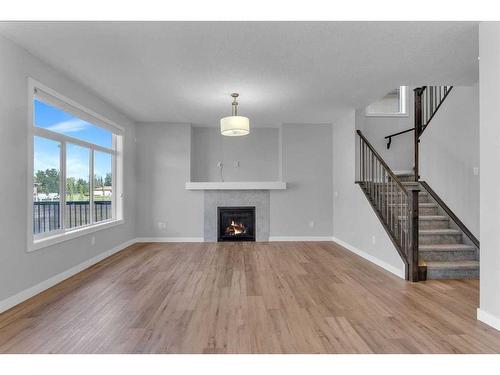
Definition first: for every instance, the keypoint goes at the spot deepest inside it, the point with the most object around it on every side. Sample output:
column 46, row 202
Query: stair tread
column 462, row 264
column 428, row 217
column 421, row 204
column 397, row 192
column 445, row 247
column 439, row 231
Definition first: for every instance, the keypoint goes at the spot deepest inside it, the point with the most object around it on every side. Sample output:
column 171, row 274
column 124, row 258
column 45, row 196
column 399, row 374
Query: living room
column 248, row 187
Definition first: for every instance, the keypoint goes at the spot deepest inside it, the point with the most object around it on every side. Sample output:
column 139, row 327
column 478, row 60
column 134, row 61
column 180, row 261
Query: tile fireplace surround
column 236, row 198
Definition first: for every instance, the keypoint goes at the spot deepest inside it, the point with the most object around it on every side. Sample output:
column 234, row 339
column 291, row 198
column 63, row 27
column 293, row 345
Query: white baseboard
column 396, row 271
column 299, row 238
column 488, row 318
column 169, row 239
column 56, row 279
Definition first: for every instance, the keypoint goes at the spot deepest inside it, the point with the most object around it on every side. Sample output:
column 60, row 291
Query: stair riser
column 423, row 211
column 433, row 224
column 433, row 274
column 428, row 239
column 447, row 256
column 411, row 185
column 397, row 199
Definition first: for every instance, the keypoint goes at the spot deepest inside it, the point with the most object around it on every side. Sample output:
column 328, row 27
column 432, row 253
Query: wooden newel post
column 418, row 127
column 413, row 250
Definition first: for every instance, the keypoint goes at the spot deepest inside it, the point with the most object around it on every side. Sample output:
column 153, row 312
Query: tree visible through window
column 46, row 185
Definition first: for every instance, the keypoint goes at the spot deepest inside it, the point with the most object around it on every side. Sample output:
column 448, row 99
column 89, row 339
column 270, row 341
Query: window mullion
column 91, row 186
column 402, row 99
column 62, row 188
column 113, row 179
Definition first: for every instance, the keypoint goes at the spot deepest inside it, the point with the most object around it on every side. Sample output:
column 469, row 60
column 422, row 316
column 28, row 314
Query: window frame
column 403, row 103
column 42, row 240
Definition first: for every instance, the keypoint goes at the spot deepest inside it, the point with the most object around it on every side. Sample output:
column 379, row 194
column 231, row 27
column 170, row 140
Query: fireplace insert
column 236, row 224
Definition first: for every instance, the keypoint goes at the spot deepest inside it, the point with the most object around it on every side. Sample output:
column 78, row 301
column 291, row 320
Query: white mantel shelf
column 255, row 185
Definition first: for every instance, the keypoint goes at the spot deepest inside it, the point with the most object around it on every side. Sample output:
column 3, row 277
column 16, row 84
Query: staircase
column 443, row 249
column 430, row 239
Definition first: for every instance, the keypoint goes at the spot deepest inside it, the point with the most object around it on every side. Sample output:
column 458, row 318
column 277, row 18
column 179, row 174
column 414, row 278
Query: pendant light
column 234, row 125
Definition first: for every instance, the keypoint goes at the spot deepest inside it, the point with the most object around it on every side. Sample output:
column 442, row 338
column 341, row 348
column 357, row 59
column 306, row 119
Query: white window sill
column 61, row 237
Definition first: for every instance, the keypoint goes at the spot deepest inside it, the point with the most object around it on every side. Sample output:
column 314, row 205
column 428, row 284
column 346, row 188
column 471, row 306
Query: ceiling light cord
column 235, row 104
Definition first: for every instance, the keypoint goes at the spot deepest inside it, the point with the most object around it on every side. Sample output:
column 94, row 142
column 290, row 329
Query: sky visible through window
column 56, row 120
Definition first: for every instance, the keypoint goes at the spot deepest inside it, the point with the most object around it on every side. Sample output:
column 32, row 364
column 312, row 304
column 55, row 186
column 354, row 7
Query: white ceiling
column 285, row 72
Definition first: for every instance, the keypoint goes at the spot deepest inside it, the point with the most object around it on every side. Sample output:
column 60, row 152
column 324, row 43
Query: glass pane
column 56, row 120
column 77, row 186
column 46, row 184
column 103, row 186
column 389, row 104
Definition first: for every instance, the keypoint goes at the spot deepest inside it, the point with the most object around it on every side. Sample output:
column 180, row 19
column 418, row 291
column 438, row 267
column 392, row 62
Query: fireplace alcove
column 236, row 224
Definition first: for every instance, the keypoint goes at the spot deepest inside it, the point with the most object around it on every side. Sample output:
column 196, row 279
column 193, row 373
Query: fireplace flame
column 235, row 228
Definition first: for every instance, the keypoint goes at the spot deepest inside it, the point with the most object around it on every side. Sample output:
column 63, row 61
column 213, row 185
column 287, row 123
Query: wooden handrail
column 384, row 164
column 389, row 137
column 447, row 90
column 450, row 213
column 394, row 205
column 427, row 101
column 425, row 108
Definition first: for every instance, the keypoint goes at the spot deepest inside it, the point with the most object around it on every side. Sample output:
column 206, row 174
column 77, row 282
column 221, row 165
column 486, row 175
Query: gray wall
column 257, row 153
column 400, row 156
column 449, row 152
column 354, row 221
column 489, row 83
column 163, row 168
column 19, row 269
column 307, row 169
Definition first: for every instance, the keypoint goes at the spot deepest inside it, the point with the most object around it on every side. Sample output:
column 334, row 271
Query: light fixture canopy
column 234, row 125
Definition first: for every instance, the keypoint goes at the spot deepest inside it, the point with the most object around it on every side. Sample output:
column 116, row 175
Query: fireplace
column 236, row 224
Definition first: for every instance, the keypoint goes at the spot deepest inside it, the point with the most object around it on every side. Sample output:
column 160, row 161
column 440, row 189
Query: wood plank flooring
column 293, row 297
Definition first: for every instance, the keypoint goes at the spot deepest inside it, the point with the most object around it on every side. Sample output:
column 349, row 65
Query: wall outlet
column 162, row 226
column 236, row 163
column 374, row 240
column 311, row 224
column 475, row 171
column 92, row 240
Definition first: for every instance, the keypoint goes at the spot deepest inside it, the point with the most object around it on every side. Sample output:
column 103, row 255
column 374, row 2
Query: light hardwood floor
column 246, row 298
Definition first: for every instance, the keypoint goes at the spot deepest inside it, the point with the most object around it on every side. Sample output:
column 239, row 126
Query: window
column 76, row 169
column 393, row 104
